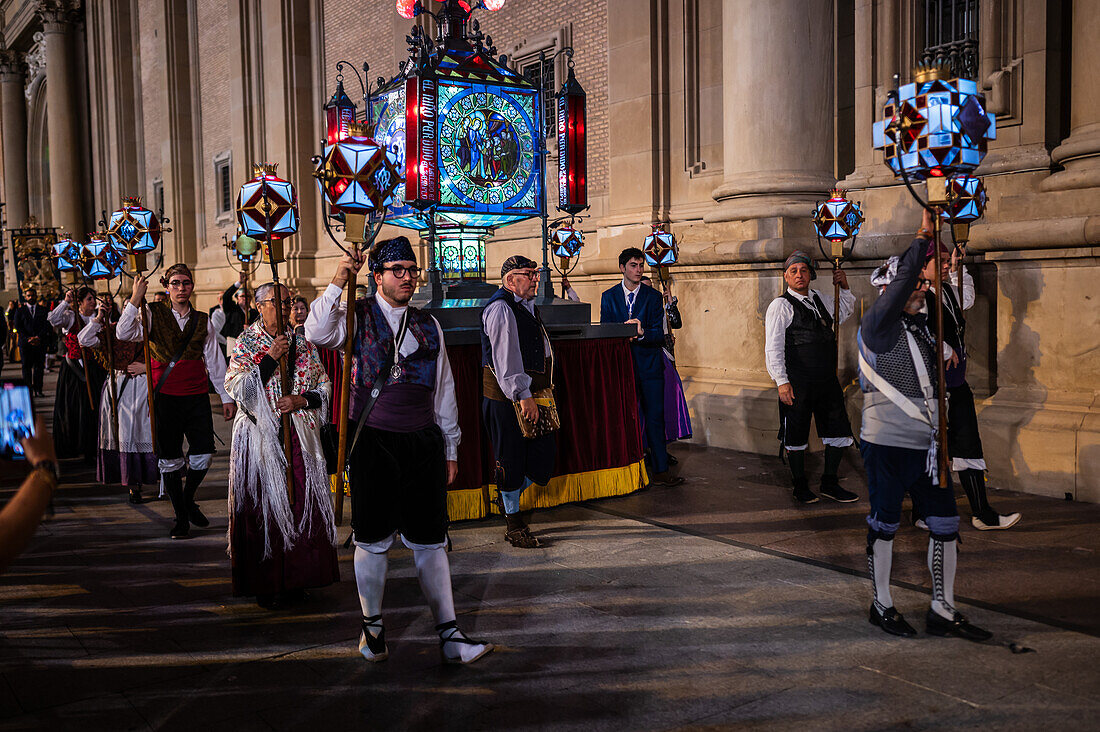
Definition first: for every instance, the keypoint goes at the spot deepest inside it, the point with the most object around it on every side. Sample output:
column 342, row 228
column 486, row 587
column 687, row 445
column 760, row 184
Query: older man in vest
column 517, row 367
column 185, row 357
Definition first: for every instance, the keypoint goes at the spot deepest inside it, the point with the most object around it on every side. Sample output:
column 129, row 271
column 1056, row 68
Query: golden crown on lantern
column 936, row 69
column 259, row 169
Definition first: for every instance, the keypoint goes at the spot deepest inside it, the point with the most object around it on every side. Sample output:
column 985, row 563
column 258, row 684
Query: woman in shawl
column 278, row 547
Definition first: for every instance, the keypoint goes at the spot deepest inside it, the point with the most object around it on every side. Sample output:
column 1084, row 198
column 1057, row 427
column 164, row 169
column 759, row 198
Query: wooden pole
column 284, row 380
column 345, row 402
column 836, row 303
column 941, row 391
column 145, row 324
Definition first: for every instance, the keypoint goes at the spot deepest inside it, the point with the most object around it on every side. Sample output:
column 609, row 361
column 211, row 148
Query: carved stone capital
column 58, row 15
column 12, row 65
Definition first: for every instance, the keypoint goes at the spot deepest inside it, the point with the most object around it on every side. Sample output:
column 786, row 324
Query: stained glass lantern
column 339, row 113
column 267, row 209
column 661, row 248
column 572, row 147
column 67, row 254
column 99, row 259
column 838, row 220
column 134, row 228
column 936, row 126
column 567, row 242
column 966, row 199
column 465, row 126
column 357, row 175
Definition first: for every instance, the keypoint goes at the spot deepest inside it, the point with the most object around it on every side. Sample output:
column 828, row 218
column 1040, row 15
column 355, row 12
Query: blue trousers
column 891, row 473
column 651, row 396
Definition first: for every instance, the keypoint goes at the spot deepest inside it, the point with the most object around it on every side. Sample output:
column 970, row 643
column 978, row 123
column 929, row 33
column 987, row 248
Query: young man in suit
column 629, row 302
column 32, row 329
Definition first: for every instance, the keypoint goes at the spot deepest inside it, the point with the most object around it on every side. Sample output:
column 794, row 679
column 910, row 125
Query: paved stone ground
column 714, row 605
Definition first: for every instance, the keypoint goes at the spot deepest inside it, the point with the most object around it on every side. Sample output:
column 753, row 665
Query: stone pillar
column 14, row 122
column 62, row 117
column 1080, row 152
column 777, row 97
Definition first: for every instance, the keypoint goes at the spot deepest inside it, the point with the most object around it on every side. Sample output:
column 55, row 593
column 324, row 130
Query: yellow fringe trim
column 474, row 503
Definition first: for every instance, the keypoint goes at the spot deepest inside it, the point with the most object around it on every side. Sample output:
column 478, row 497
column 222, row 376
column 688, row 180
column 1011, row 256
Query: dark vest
column 954, row 331
column 810, row 348
column 532, row 349
column 416, row 384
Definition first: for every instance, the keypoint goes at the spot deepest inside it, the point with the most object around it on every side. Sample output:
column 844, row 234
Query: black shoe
column 195, row 516
column 960, row 627
column 181, row 530
column 373, row 647
column 830, row 488
column 135, row 496
column 672, row 460
column 666, row 480
column 522, row 538
column 802, row 492
column 891, row 621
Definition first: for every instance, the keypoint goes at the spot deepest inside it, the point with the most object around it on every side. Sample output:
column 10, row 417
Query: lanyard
column 396, row 370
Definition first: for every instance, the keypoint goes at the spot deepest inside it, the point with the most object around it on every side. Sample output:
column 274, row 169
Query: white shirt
column 217, row 319
column 66, row 318
column 779, row 316
column 326, row 327
column 503, row 332
column 626, row 296
column 129, row 328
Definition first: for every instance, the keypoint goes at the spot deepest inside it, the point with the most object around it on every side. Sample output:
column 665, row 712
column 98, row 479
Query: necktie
column 630, row 304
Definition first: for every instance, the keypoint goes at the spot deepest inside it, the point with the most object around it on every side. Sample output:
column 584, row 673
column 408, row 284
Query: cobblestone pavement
column 714, row 605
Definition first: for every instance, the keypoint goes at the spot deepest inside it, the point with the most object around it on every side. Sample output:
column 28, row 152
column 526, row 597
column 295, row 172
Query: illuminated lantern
column 356, row 174
column 936, row 126
column 493, row 4
column 661, row 248
column 99, row 259
column 133, row 228
column 572, row 147
column 339, row 113
column 567, row 242
column 267, row 209
column 966, row 199
column 838, row 220
column 406, row 9
column 67, row 253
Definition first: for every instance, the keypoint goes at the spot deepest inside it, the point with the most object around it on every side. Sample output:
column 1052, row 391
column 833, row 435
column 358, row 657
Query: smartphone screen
column 16, row 419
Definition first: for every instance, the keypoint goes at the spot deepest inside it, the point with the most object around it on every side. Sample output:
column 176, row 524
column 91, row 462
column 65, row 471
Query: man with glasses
column 403, row 439
column 897, row 360
column 801, row 357
column 643, row 307
column 184, row 356
column 517, row 364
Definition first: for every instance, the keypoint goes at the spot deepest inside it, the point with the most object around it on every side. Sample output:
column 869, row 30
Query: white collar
column 391, row 312
column 808, row 296
column 627, row 290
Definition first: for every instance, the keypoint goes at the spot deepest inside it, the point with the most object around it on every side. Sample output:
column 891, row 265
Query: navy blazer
column 649, row 309
column 26, row 326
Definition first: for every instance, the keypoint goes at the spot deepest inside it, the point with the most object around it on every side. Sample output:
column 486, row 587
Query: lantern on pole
column 966, row 200
column 837, row 220
column 572, row 145
column 661, row 250
column 99, row 259
column 267, row 210
column 134, row 231
column 357, row 175
column 66, row 253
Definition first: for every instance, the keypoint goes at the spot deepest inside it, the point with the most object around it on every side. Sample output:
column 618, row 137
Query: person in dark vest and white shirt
column 403, row 440
column 801, row 357
column 185, row 357
column 517, row 367
column 897, row 364
column 964, row 442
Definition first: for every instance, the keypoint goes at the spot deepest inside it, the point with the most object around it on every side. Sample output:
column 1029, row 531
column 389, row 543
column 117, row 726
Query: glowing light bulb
column 405, row 9
column 493, row 4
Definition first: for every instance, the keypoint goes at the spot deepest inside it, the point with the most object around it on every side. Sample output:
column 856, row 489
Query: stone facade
column 727, row 119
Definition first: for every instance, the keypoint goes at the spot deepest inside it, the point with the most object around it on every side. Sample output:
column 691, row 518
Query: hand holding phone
column 16, row 420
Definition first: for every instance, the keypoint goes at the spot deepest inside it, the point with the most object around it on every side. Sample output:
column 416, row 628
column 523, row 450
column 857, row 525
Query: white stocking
column 434, row 571
column 942, row 560
column 370, row 578
column 879, row 561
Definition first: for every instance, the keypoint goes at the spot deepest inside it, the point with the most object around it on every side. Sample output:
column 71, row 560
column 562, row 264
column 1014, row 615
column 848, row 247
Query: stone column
column 14, row 121
column 778, row 106
column 62, row 117
column 1080, row 152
